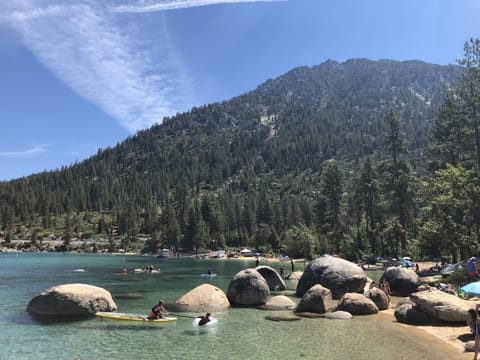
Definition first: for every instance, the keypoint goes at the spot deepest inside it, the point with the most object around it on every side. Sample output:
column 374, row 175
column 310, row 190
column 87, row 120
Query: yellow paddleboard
column 132, row 317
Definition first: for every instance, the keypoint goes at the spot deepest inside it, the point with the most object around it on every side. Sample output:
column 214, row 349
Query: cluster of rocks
column 326, row 285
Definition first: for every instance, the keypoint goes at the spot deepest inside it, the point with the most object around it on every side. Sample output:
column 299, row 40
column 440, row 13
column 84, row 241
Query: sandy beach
column 444, row 337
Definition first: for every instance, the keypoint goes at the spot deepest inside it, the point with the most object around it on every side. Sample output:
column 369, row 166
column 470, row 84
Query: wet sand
column 444, row 338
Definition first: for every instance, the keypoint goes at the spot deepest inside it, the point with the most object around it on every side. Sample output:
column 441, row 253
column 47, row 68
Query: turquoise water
column 241, row 333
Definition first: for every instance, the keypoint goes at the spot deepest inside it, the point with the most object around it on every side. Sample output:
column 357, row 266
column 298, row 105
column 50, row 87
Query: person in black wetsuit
column 204, row 319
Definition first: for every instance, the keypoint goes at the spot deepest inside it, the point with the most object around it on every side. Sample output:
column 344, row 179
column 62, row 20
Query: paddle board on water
column 132, row 317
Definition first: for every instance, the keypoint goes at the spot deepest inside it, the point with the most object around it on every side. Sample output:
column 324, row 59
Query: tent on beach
column 245, row 251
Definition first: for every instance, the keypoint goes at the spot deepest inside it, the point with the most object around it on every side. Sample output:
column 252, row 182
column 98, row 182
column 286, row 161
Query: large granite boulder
column 248, row 288
column 203, row 298
column 379, row 298
column 357, row 304
column 402, row 281
column 338, row 275
column 71, row 300
column 273, row 278
column 442, row 306
column 280, row 302
column 407, row 312
column 317, row 299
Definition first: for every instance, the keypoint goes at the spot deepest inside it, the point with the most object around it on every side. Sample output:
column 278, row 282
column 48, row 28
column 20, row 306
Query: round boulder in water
column 203, row 298
column 71, row 300
column 338, row 275
column 248, row 288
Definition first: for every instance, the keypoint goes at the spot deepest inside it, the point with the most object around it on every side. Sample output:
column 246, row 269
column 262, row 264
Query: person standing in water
column 385, row 287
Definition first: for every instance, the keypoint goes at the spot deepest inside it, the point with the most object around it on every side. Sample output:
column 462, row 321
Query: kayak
column 132, row 317
column 212, row 322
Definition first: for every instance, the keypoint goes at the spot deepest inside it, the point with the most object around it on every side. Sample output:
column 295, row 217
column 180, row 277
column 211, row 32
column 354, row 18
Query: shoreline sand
column 445, row 337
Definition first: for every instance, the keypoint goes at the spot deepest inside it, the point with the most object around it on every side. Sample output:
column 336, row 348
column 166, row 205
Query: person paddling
column 158, row 311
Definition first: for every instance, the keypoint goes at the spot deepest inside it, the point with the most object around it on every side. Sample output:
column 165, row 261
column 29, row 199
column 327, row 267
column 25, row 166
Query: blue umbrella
column 472, row 288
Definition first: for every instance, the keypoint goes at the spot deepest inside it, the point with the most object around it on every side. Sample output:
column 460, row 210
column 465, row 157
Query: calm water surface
column 240, row 334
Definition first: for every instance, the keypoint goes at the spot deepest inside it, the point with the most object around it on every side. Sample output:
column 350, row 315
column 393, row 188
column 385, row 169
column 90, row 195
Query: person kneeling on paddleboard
column 158, row 311
column 204, row 319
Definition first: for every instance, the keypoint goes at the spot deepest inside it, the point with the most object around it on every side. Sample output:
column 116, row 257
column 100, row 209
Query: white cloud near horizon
column 135, row 77
column 24, row 154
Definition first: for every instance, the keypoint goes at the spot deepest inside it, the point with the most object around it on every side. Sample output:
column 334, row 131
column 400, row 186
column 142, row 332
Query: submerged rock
column 339, row 315
column 283, row 317
column 279, row 302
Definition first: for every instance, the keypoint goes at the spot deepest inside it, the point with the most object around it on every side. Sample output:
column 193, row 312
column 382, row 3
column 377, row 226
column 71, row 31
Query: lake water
column 240, row 334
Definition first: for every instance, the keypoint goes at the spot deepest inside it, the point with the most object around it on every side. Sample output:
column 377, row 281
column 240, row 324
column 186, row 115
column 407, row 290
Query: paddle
column 186, row 316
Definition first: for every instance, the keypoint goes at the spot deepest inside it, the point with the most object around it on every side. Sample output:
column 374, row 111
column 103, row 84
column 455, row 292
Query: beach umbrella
column 472, row 289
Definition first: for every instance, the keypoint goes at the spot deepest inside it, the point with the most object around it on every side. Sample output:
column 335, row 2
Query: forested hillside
column 333, row 158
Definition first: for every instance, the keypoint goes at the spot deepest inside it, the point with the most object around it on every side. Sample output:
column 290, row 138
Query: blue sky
column 79, row 75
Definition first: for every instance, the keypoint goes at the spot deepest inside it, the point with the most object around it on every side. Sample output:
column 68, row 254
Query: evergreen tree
column 398, row 184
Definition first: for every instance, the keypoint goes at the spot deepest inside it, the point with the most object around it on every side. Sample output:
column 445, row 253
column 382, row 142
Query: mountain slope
column 285, row 129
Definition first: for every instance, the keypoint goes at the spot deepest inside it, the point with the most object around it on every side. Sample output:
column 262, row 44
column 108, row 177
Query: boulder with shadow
column 248, row 288
column 203, row 298
column 357, row 304
column 407, row 312
column 442, row 306
column 71, row 300
column 317, row 299
column 338, row 275
column 273, row 278
column 379, row 298
column 402, row 281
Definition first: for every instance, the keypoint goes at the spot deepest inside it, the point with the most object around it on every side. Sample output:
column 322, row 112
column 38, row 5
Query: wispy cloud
column 24, row 154
column 178, row 4
column 93, row 50
column 87, row 49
